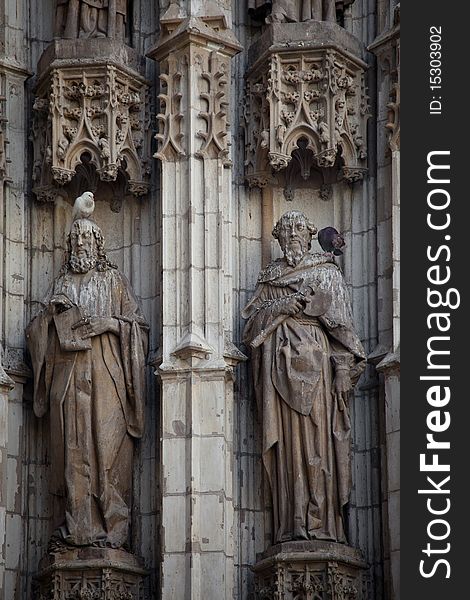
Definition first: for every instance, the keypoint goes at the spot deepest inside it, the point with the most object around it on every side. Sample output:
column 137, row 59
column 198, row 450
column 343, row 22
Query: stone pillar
column 197, row 354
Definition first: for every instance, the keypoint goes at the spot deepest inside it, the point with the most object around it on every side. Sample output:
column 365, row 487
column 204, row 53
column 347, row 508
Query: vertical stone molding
column 13, row 136
column 6, row 385
column 90, row 119
column 387, row 49
column 3, row 145
column 306, row 99
column 197, row 353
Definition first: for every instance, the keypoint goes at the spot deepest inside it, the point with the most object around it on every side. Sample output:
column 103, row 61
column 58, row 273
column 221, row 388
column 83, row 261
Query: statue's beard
column 82, row 265
column 294, row 253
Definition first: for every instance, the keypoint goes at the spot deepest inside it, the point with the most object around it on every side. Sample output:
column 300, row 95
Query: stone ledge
column 88, row 558
column 90, row 51
column 314, row 550
column 308, row 35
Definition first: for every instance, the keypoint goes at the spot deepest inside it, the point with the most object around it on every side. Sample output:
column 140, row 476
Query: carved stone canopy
column 89, row 107
column 306, row 83
column 387, row 49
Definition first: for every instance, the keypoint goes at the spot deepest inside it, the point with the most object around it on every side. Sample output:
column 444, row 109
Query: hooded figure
column 306, row 358
column 88, row 348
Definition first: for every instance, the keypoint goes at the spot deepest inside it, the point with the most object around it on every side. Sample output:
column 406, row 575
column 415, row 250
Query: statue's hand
column 59, row 303
column 98, row 325
column 342, row 386
column 290, row 305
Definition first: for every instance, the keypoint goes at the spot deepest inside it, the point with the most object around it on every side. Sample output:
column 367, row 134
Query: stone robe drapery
column 299, row 10
column 90, row 18
column 96, row 403
column 306, row 428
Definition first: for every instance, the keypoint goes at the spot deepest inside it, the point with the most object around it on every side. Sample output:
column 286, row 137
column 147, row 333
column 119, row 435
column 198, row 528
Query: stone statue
column 295, row 11
column 306, row 358
column 91, row 18
column 88, row 348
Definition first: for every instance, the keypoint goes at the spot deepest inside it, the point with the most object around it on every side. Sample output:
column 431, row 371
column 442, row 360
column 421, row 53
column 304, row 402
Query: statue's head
column 294, row 232
column 85, row 241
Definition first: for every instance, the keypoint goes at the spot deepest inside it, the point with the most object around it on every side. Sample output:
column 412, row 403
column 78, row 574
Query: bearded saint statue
column 88, row 348
column 306, row 358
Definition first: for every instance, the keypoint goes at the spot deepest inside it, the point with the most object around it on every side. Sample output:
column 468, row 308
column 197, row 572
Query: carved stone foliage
column 97, row 112
column 194, row 87
column 311, row 575
column 393, row 124
column 211, row 73
column 214, row 96
column 313, row 94
column 170, row 127
column 85, row 579
column 387, row 49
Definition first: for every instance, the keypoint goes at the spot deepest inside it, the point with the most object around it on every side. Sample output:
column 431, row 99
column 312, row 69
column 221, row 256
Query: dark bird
column 331, row 240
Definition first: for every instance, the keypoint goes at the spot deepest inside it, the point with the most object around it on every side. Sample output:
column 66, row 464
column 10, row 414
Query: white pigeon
column 83, row 207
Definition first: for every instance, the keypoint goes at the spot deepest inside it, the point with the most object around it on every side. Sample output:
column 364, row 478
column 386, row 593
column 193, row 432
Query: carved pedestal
column 90, row 574
column 311, row 570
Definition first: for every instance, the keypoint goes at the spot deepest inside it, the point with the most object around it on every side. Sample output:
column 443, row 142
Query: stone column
column 197, row 355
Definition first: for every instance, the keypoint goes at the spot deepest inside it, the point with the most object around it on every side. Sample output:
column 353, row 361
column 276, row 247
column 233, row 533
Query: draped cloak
column 86, row 18
column 96, row 402
column 298, row 10
column 306, row 428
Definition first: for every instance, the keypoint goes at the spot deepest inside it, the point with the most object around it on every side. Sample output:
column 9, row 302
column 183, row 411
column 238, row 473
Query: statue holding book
column 88, row 347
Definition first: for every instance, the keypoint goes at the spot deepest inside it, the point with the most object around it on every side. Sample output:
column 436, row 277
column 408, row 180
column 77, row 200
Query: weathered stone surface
column 88, row 348
column 94, row 573
column 308, row 35
column 95, row 51
column 198, row 353
column 91, row 18
column 90, row 120
column 192, row 248
column 304, row 570
column 306, row 99
column 281, row 11
column 304, row 370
